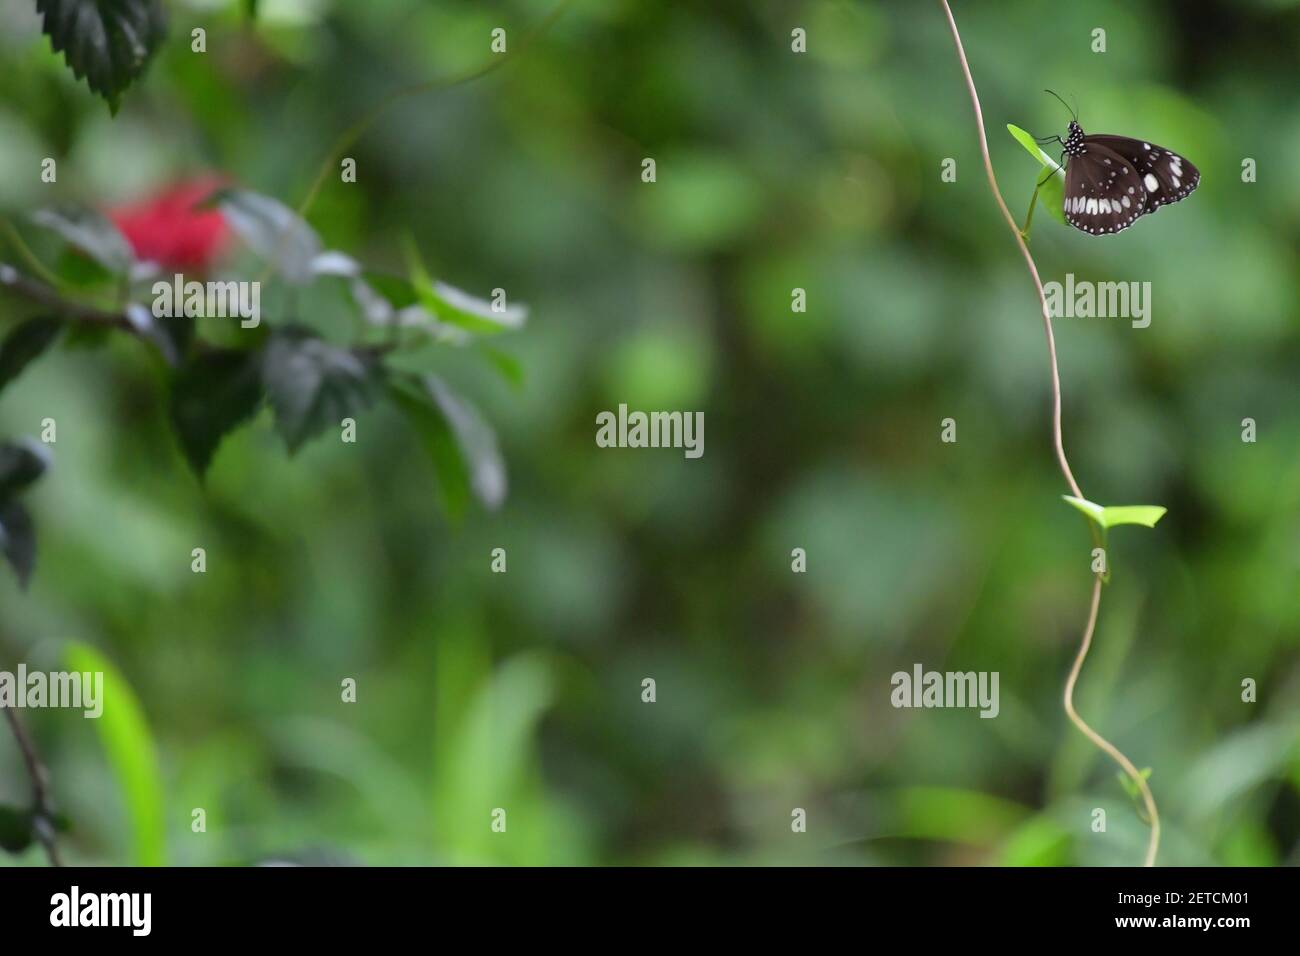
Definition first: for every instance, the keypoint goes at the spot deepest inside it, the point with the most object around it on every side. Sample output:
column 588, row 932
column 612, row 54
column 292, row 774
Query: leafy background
column 775, row 170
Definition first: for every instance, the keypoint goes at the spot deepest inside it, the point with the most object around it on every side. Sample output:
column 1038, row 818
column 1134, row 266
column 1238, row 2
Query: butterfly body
column 1111, row 181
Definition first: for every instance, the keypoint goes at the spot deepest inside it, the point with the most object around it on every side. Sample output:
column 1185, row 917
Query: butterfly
column 1111, row 181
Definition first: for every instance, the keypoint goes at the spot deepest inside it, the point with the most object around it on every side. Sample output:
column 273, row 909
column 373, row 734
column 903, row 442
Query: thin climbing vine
column 1101, row 518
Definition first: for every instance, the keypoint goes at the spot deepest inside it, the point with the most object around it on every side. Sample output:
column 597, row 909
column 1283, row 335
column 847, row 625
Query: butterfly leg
column 1058, row 169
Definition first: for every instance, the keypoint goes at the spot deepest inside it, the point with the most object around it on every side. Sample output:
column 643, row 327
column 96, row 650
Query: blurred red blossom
column 168, row 229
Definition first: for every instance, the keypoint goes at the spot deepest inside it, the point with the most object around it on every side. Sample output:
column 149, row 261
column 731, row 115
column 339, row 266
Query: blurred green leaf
column 950, row 813
column 129, row 746
column 459, row 308
column 485, row 765
column 505, row 364
column 91, row 232
column 1040, row 841
column 1240, row 762
column 1052, row 193
column 461, row 444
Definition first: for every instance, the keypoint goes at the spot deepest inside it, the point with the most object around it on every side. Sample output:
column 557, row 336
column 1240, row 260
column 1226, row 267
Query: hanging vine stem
column 1097, row 739
column 43, row 824
column 353, row 132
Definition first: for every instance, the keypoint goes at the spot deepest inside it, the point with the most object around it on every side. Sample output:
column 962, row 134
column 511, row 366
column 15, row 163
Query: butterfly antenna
column 1074, row 114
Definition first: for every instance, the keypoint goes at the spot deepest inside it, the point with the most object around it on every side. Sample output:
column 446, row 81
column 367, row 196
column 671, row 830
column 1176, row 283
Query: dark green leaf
column 106, row 42
column 18, row 540
column 91, row 232
column 24, row 344
column 21, row 463
column 313, row 385
column 15, row 829
column 212, row 394
column 461, row 444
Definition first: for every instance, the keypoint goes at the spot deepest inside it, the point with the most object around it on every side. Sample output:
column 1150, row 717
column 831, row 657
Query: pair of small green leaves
column 1109, row 517
column 1135, row 793
column 107, row 43
column 1051, row 192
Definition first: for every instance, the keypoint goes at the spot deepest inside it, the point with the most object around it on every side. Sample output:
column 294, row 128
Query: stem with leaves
column 1100, row 742
column 43, row 822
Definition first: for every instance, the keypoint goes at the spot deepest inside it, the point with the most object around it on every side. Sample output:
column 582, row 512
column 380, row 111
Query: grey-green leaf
column 460, row 442
column 313, row 385
column 91, row 232
column 273, row 231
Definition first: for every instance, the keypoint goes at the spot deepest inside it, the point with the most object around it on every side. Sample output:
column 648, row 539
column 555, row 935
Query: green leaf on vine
column 1052, row 193
column 107, row 43
column 1134, row 792
column 1109, row 517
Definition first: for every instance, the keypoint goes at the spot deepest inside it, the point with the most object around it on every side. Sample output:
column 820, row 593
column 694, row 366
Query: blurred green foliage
column 775, row 170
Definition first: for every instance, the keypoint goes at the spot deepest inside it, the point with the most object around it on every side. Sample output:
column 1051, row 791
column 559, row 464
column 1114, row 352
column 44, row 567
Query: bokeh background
column 775, row 170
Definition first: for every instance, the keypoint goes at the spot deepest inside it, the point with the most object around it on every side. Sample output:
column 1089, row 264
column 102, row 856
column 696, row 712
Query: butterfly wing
column 1103, row 191
column 1166, row 176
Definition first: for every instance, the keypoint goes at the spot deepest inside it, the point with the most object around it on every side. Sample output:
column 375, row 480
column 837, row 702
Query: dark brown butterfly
column 1111, row 181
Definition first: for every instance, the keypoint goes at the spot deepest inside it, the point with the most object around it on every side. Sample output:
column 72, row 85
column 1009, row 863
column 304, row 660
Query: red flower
column 169, row 230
